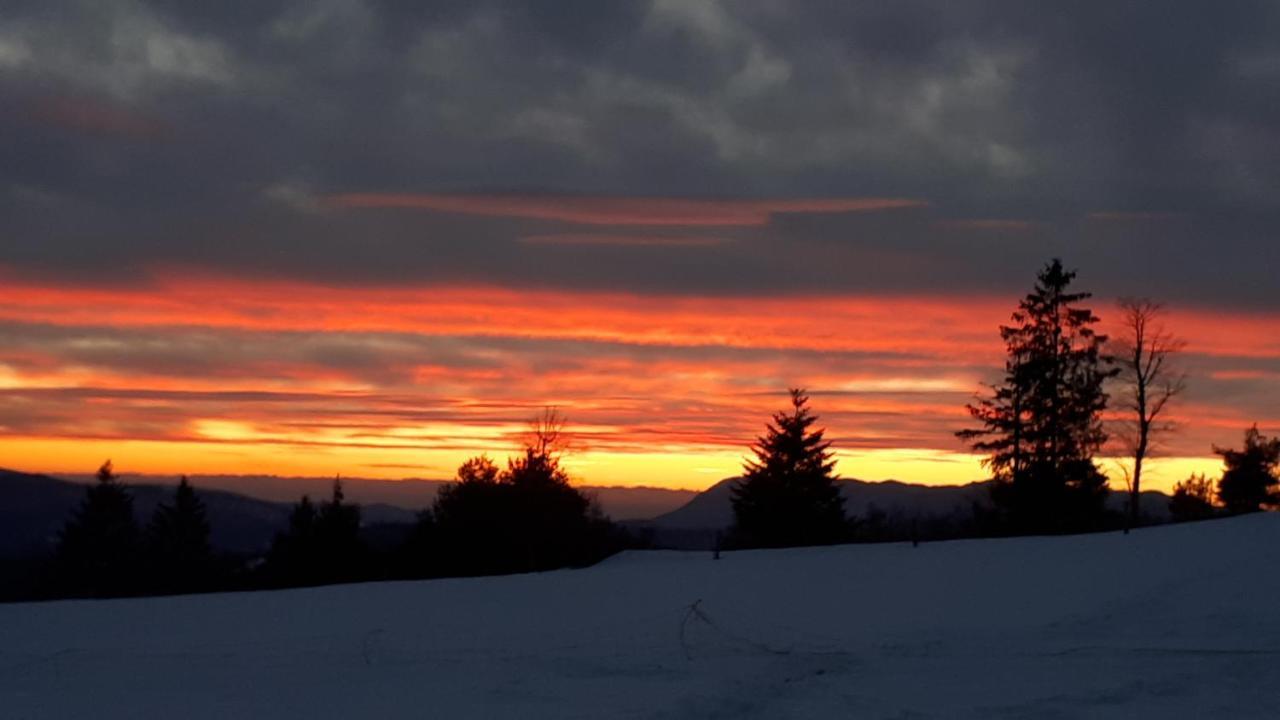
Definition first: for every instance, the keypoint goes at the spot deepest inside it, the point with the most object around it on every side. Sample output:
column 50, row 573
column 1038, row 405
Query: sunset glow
column 373, row 241
column 197, row 373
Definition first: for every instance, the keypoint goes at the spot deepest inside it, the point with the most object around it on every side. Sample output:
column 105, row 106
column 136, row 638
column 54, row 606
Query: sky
column 311, row 238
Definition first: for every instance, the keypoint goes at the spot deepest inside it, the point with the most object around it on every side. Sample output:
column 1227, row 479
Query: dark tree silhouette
column 295, row 555
column 322, row 544
column 178, row 543
column 98, row 549
column 338, row 537
column 419, row 555
column 1148, row 381
column 1042, row 425
column 788, row 494
column 526, row 517
column 1192, row 499
column 473, row 521
column 552, row 517
column 1249, row 476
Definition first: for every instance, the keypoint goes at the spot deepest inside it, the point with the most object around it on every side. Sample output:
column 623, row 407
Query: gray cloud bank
column 1141, row 141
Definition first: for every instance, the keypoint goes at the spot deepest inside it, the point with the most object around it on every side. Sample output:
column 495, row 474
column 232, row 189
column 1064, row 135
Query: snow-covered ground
column 1169, row 622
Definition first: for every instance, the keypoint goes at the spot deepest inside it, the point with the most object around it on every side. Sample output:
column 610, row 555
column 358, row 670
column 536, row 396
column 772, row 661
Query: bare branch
column 547, row 435
column 1147, row 383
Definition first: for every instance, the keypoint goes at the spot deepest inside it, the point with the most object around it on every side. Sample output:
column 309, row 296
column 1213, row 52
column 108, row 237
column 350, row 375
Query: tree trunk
column 1135, row 492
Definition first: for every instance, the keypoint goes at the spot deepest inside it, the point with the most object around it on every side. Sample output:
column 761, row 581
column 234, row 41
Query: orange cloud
column 916, row 325
column 668, row 381
column 601, row 210
column 1230, row 375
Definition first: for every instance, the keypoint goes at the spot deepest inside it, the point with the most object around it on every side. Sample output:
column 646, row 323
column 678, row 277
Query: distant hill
column 34, row 508
column 410, row 495
column 895, row 505
column 713, row 507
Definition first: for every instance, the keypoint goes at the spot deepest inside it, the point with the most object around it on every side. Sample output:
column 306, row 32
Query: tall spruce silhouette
column 1249, row 476
column 97, row 552
column 1042, row 425
column 788, row 494
column 181, row 559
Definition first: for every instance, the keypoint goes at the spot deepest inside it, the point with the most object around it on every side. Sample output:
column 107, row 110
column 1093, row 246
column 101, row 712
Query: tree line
column 1041, row 429
column 1043, row 426
column 524, row 517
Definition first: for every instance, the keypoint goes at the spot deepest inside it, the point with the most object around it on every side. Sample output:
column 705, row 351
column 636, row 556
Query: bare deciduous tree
column 547, row 435
column 1148, row 381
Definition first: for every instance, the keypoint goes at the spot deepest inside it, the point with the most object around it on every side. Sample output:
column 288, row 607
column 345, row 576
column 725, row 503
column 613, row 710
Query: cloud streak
column 613, row 240
column 382, row 377
column 618, row 211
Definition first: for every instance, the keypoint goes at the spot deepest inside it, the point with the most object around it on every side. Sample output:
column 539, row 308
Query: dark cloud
column 137, row 134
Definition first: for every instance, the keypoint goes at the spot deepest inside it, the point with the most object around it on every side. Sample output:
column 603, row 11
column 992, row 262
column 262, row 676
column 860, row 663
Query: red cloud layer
column 634, row 211
column 903, row 325
column 944, row 326
column 641, row 374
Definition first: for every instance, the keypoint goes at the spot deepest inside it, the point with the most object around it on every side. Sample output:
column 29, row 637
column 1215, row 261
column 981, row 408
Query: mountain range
column 34, row 508
column 894, row 509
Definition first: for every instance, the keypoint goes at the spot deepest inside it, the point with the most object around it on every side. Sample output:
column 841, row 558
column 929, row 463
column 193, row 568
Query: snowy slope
column 1170, row 622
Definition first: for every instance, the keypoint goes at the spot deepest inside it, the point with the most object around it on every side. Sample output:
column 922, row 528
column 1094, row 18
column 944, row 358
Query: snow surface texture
column 1171, row 622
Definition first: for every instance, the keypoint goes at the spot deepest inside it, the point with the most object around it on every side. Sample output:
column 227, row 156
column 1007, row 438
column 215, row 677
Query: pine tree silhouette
column 322, row 544
column 181, row 559
column 98, row 549
column 1043, row 424
column 1249, row 477
column 550, row 520
column 338, row 535
column 295, row 555
column 788, row 494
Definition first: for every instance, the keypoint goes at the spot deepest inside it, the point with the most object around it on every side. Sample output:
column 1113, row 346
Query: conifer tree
column 551, row 517
column 474, row 520
column 1249, row 476
column 788, row 494
column 178, row 541
column 295, row 556
column 338, row 534
column 1042, row 425
column 98, row 549
column 302, row 520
